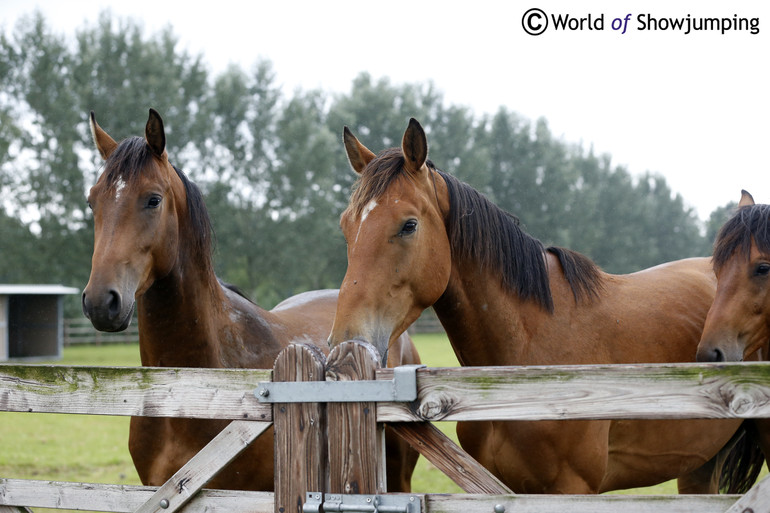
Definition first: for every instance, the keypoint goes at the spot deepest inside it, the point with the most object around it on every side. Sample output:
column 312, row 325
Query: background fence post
column 300, row 432
column 356, row 442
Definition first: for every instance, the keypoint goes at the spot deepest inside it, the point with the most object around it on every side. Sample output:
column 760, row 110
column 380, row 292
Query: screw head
column 499, row 508
column 164, row 503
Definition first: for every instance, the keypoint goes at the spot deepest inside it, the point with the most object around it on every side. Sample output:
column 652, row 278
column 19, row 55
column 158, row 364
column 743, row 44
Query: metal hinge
column 402, row 388
column 316, row 502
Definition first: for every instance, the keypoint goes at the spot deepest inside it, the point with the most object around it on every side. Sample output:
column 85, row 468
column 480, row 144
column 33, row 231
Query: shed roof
column 49, row 290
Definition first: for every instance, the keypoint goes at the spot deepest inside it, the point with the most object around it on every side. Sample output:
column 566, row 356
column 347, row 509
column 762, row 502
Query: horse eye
column 154, row 202
column 409, row 227
column 762, row 269
column 90, row 207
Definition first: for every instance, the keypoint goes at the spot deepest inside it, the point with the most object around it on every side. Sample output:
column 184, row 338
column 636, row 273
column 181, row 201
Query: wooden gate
column 326, row 450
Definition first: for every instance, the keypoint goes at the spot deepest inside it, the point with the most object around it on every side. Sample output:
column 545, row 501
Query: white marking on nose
column 367, row 210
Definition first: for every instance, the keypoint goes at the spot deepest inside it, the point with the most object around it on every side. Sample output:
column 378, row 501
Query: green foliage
column 272, row 166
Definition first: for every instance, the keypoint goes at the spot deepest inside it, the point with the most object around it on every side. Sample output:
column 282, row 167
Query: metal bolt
column 164, row 503
column 264, row 392
column 499, row 508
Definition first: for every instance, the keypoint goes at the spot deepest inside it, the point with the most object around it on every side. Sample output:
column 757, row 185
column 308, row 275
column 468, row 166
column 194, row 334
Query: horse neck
column 176, row 316
column 485, row 324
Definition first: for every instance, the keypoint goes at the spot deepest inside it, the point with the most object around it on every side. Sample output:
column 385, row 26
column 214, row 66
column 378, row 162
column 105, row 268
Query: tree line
column 272, row 166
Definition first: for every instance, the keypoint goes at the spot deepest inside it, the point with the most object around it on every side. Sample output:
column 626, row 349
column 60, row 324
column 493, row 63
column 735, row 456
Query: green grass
column 85, row 448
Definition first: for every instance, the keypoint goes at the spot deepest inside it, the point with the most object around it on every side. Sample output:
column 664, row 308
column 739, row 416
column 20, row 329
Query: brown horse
column 738, row 324
column 152, row 248
column 418, row 237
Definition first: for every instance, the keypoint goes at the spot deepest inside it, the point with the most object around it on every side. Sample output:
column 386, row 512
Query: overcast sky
column 694, row 107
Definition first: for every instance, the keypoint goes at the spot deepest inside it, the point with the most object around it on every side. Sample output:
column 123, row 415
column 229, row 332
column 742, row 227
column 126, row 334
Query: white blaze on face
column 119, row 186
column 367, row 210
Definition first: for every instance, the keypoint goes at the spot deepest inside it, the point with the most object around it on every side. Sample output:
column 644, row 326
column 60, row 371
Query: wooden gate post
column 356, row 443
column 300, row 431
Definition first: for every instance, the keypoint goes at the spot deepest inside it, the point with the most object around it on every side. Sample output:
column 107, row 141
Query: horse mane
column 482, row 232
column 126, row 163
column 748, row 222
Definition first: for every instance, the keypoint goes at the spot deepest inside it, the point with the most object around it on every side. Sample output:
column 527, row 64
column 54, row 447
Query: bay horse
column 418, row 237
column 737, row 326
column 152, row 251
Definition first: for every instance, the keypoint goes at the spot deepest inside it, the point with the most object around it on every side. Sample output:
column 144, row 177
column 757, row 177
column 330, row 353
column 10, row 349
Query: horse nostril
column 718, row 355
column 113, row 304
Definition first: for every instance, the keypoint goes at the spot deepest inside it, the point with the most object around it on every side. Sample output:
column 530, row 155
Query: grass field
column 84, row 448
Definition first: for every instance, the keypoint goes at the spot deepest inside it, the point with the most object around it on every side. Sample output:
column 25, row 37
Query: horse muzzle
column 107, row 310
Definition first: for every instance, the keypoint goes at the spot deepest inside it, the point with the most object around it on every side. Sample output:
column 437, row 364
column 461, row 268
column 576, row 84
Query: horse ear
column 415, row 146
column 746, row 199
column 154, row 133
column 358, row 154
column 104, row 143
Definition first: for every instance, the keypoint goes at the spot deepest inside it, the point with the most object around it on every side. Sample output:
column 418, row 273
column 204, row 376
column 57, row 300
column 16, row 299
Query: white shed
column 32, row 321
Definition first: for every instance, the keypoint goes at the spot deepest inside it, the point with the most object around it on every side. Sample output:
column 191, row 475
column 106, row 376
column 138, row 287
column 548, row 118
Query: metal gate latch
column 316, row 502
column 402, row 388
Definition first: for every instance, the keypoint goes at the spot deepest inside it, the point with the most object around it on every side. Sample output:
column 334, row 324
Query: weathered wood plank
column 140, row 391
column 755, row 500
column 672, row 391
column 455, row 463
column 188, row 480
column 356, row 441
column 300, row 432
column 122, row 498
column 579, row 503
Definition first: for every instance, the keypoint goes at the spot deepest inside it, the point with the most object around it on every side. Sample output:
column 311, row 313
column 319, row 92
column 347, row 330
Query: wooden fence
column 320, row 458
column 79, row 330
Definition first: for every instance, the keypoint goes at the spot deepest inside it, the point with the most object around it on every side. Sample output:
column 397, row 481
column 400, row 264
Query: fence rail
column 670, row 391
column 79, row 330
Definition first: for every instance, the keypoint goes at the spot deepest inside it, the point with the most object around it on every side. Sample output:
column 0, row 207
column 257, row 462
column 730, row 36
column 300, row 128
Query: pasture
column 88, row 448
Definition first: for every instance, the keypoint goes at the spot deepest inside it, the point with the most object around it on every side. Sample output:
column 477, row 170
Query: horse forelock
column 128, row 160
column 749, row 223
column 126, row 164
column 376, row 177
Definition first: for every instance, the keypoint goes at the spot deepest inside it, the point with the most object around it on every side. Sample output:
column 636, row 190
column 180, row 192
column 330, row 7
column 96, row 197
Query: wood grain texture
column 579, row 503
column 300, row 432
column 356, row 441
column 134, row 391
column 122, row 498
column 671, row 391
column 201, row 468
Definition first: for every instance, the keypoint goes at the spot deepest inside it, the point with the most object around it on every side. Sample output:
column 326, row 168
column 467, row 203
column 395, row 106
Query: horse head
column 737, row 326
column 136, row 203
column 398, row 248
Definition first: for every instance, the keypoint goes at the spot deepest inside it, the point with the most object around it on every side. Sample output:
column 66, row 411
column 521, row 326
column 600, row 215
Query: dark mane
column 128, row 160
column 749, row 223
column 482, row 232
